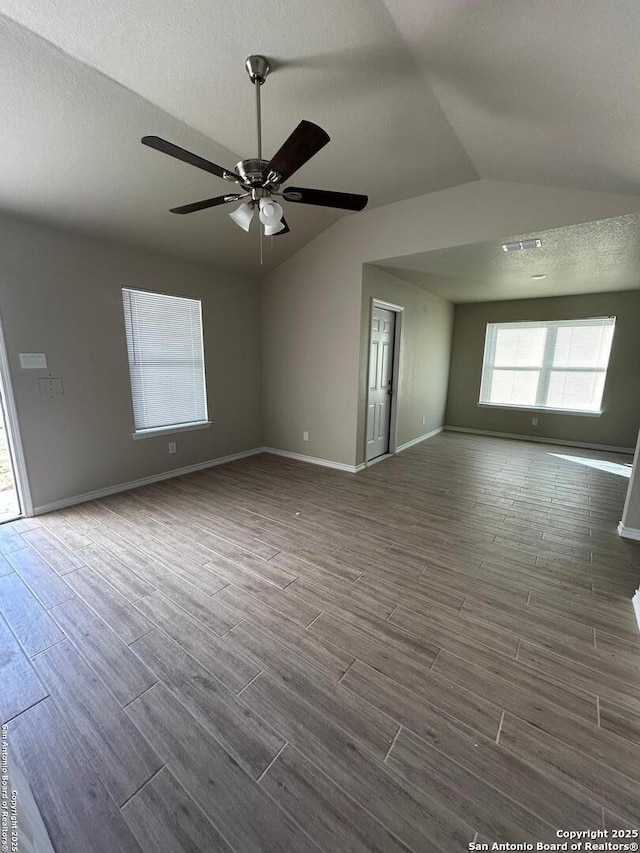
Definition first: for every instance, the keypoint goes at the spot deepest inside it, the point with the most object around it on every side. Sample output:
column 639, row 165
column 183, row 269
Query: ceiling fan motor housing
column 252, row 174
column 251, row 171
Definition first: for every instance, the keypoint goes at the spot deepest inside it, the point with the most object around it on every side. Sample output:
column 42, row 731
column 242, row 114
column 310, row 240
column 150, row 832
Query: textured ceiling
column 417, row 95
column 590, row 258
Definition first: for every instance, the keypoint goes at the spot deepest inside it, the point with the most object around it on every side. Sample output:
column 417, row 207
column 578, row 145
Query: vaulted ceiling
column 417, row 95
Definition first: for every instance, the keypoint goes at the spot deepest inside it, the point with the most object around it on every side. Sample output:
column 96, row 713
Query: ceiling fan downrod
column 257, row 69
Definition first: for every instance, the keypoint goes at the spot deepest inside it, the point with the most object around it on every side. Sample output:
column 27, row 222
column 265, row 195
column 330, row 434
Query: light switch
column 50, row 385
column 33, row 360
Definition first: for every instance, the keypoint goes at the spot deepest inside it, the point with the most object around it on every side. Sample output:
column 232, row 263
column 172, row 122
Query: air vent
column 518, row 245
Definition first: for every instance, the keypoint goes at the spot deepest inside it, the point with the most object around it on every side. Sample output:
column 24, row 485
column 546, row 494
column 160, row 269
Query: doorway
column 382, row 379
column 15, row 497
column 9, row 503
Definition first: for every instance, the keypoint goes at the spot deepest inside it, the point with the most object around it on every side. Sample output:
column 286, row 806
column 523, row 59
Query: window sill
column 549, row 410
column 168, row 430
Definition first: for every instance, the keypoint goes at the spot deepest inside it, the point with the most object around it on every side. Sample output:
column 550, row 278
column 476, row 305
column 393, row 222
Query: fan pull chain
column 261, row 246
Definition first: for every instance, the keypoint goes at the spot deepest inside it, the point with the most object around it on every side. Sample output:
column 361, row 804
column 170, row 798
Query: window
column 166, row 361
column 559, row 365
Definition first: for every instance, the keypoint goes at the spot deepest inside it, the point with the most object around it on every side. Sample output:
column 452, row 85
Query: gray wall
column 61, row 294
column 631, row 511
column 312, row 303
column 618, row 425
column 427, row 324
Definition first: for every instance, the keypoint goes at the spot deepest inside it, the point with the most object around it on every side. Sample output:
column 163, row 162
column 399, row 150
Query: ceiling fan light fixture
column 270, row 230
column 271, row 212
column 259, row 179
column 242, row 216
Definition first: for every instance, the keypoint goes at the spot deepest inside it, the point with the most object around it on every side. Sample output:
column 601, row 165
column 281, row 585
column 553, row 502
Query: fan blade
column 187, row 157
column 325, row 198
column 303, row 144
column 203, row 205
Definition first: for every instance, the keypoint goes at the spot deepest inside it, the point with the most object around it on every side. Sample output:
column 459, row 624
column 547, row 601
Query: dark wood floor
column 270, row 656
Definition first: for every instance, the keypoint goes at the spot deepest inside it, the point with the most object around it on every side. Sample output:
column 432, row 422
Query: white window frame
column 149, row 432
column 545, row 369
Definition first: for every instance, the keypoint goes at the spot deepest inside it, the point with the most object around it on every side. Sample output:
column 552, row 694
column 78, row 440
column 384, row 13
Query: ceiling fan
column 259, row 179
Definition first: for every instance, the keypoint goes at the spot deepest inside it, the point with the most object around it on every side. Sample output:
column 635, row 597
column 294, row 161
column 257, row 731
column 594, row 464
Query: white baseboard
column 143, row 481
column 628, row 532
column 314, row 460
column 636, row 606
column 538, row 438
column 420, row 438
column 342, row 466
column 189, row 469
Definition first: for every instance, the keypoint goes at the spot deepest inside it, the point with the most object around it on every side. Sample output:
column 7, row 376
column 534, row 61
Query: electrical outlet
column 172, row 447
column 305, row 436
column 424, row 421
column 534, row 422
column 50, row 385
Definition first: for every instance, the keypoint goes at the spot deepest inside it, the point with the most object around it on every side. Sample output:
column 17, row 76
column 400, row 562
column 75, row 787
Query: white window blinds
column 558, row 365
column 166, row 359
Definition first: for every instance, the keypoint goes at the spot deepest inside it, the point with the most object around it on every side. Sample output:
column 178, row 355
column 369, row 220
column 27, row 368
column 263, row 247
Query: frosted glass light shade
column 270, row 212
column 242, row 216
column 270, row 230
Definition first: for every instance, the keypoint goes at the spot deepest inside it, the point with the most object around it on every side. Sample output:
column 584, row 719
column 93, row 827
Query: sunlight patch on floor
column 617, row 468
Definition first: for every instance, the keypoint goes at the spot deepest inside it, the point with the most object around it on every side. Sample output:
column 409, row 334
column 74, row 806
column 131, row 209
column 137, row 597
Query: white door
column 380, row 382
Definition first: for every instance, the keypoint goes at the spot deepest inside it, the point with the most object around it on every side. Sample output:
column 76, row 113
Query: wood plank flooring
column 270, row 656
